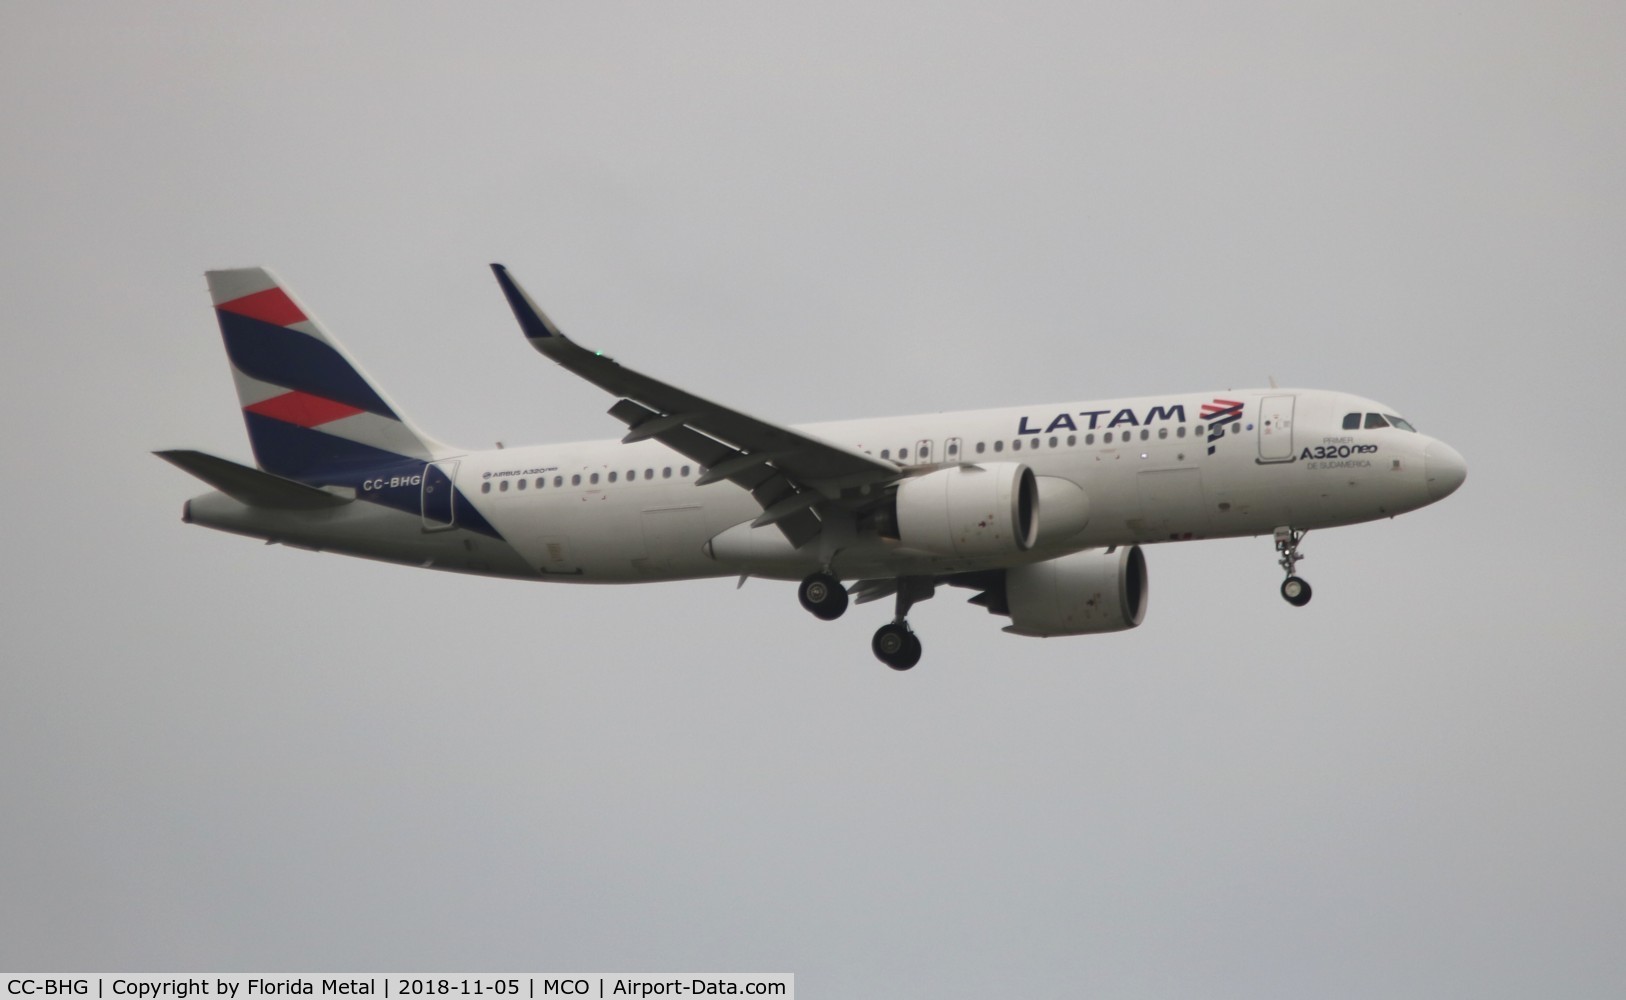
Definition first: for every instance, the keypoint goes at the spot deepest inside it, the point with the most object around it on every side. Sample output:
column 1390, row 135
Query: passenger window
column 1352, row 421
column 666, row 473
column 593, row 479
column 485, row 487
column 576, row 480
column 886, row 453
column 612, row 477
column 541, row 481
column 523, row 483
column 999, row 446
column 1106, row 438
column 1180, row 431
column 1089, row 439
column 558, row 480
column 1236, row 428
column 1375, row 420
column 1016, row 445
column 980, row 447
column 503, row 486
column 1162, row 433
column 1052, row 442
column 953, row 449
column 1072, row 440
column 1145, row 434
column 685, row 472
column 649, row 473
column 903, row 454
column 1198, row 430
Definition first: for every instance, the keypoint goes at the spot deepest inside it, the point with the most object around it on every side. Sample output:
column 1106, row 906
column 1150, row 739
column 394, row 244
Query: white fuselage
column 1152, row 469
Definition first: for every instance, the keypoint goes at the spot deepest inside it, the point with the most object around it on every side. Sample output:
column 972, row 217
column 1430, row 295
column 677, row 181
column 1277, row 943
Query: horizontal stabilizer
column 251, row 486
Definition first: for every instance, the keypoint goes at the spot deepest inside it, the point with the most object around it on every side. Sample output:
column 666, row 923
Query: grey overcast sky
column 216, row 755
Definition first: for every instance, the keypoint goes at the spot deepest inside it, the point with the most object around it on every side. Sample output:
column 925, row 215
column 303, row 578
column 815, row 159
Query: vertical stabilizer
column 312, row 415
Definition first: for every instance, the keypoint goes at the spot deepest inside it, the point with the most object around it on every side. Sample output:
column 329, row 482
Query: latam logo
column 1219, row 414
column 1099, row 419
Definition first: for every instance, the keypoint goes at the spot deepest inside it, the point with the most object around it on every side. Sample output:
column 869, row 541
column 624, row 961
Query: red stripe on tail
column 303, row 409
column 270, row 306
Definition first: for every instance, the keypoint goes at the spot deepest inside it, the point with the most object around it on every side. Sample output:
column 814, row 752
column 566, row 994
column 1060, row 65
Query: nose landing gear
column 1295, row 590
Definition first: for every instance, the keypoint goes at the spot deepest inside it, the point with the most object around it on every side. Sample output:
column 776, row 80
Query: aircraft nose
column 1443, row 469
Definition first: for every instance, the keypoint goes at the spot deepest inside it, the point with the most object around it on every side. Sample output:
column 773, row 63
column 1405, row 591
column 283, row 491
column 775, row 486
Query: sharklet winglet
column 532, row 320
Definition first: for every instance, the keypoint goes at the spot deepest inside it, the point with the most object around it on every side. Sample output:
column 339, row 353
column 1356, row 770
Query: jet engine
column 970, row 510
column 1076, row 594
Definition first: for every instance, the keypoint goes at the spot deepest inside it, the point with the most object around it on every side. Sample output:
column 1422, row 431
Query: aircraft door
column 1276, row 429
column 438, row 496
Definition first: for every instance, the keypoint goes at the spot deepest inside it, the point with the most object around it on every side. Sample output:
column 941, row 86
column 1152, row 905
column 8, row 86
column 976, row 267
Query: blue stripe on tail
column 289, row 358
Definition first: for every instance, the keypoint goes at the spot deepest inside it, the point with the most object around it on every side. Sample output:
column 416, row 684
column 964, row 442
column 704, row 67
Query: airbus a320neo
column 1041, row 510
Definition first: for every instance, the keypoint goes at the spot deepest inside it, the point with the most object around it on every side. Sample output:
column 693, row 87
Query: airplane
column 1041, row 510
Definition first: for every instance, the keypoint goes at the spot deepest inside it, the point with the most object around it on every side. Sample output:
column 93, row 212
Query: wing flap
column 865, row 591
column 769, row 485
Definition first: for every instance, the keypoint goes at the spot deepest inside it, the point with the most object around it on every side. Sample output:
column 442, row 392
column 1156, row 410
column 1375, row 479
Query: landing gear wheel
column 1296, row 591
column 896, row 646
column 823, row 595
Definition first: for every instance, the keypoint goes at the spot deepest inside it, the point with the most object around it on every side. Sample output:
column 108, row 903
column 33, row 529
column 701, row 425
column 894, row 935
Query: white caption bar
column 396, row 986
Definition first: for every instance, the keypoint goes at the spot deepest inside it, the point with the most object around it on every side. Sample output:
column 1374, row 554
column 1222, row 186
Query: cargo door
column 1172, row 505
column 673, row 541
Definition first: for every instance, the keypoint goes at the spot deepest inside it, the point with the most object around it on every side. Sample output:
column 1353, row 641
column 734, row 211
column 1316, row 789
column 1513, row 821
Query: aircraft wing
column 788, row 472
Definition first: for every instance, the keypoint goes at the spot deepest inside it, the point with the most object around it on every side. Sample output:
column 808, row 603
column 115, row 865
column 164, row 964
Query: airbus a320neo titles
column 1040, row 510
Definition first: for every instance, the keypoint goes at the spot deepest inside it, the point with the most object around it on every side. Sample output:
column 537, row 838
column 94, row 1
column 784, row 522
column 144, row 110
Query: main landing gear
column 1295, row 590
column 823, row 595
column 895, row 643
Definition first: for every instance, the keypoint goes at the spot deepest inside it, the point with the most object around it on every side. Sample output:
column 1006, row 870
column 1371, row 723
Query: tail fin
column 312, row 415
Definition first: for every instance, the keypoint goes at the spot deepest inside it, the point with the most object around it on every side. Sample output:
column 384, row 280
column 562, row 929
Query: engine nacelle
column 970, row 510
column 1078, row 594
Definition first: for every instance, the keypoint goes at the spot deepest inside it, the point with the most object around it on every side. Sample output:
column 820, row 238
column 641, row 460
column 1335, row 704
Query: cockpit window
column 1374, row 421
column 1352, row 421
column 1403, row 425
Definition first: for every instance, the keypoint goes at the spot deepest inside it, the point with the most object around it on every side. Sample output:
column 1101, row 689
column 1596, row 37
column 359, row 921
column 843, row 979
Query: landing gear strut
column 823, row 595
column 895, row 643
column 1295, row 590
